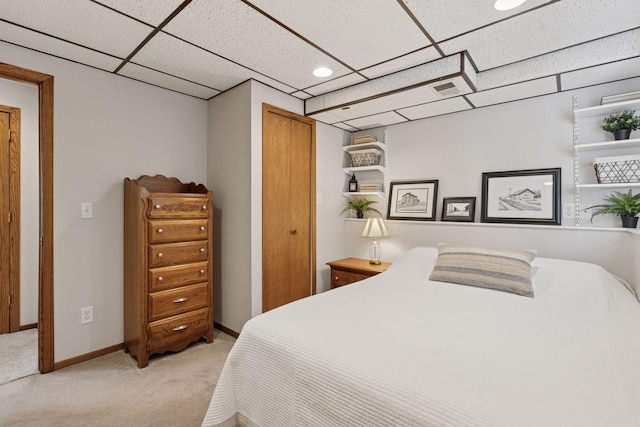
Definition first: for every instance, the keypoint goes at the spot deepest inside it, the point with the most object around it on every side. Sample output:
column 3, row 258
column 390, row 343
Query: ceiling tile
column 243, row 35
column 334, row 84
column 514, row 92
column 326, row 117
column 169, row 82
column 345, row 127
column 153, row 12
column 83, row 22
column 437, row 108
column 376, row 121
column 416, row 58
column 444, row 19
column 170, row 55
column 546, row 29
column 600, row 51
column 52, row 46
column 358, row 32
column 601, row 74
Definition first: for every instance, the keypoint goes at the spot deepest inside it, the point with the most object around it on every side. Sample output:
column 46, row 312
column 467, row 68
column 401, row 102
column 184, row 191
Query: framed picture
column 458, row 209
column 522, row 197
column 413, row 200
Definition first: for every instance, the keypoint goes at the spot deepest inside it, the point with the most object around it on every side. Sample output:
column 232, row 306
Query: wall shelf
column 363, row 194
column 601, row 110
column 623, row 143
column 352, row 170
column 356, row 147
column 615, row 185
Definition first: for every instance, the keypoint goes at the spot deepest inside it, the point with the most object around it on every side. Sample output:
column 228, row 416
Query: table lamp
column 375, row 228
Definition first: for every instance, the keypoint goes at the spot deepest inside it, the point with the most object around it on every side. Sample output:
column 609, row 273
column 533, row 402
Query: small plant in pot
column 360, row 206
column 624, row 205
column 621, row 124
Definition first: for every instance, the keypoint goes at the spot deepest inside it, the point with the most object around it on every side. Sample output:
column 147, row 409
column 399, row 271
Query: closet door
column 288, row 207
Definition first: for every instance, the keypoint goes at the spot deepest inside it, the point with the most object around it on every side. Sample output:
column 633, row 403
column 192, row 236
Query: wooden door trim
column 14, row 212
column 267, row 108
column 45, row 291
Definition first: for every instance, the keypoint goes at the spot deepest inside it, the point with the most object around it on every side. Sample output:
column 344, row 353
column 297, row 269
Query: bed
column 399, row 349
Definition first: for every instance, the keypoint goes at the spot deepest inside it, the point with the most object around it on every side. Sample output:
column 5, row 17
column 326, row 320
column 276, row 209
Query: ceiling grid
column 385, row 54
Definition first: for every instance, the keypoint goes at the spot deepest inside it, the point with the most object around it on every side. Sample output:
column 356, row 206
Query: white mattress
column 400, row 350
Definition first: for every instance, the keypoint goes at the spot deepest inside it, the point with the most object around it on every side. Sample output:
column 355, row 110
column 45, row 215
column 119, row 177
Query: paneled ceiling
column 392, row 60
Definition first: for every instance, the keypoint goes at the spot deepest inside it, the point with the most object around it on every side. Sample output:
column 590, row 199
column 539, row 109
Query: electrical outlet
column 86, row 210
column 567, row 211
column 86, row 315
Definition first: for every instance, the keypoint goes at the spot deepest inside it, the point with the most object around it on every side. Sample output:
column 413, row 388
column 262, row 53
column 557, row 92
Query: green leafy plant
column 620, row 204
column 624, row 120
column 360, row 205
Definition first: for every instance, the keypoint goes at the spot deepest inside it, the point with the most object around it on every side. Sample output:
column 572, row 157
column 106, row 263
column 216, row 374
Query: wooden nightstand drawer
column 341, row 278
column 349, row 270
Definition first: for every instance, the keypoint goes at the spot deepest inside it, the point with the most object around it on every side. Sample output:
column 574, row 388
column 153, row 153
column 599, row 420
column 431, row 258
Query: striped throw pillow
column 503, row 270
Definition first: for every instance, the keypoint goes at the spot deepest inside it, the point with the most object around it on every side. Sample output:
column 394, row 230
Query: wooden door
column 9, row 219
column 288, row 207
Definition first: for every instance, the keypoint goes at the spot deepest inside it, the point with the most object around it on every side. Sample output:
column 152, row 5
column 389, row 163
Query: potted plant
column 621, row 124
column 360, row 206
column 625, row 205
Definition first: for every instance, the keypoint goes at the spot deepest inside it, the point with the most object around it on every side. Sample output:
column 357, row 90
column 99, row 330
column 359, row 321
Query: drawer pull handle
column 201, row 271
column 160, row 279
column 160, row 230
column 201, row 249
column 294, row 232
column 157, row 206
column 337, row 278
column 179, row 300
column 160, row 255
column 202, row 228
column 204, row 207
column 180, row 328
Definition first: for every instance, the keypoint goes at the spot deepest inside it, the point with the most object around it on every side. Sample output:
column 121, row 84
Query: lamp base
column 375, row 261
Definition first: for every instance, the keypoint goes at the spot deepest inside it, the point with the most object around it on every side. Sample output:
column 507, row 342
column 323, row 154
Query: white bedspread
column 400, row 350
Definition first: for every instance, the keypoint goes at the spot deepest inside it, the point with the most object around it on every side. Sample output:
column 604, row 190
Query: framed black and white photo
column 458, row 209
column 413, row 200
column 521, row 197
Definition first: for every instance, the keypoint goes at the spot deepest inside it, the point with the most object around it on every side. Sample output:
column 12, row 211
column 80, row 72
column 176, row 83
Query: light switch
column 86, row 210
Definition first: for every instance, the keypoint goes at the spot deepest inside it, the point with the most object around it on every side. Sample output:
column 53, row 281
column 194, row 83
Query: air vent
column 446, row 89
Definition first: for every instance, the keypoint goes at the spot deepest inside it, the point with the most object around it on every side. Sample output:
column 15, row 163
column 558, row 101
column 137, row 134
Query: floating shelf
column 363, row 193
column 378, row 168
column 356, row 147
column 600, row 110
column 616, row 185
column 622, row 143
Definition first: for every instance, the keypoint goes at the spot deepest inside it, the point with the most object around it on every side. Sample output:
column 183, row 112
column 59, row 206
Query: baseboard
column 114, row 348
column 29, row 326
column 87, row 356
column 226, row 330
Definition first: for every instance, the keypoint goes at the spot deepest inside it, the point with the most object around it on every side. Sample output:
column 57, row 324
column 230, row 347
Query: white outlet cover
column 86, row 210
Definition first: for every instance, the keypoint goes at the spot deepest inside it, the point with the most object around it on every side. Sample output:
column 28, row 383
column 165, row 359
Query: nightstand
column 349, row 270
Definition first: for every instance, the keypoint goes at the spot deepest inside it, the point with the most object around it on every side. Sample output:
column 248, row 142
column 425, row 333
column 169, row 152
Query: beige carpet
column 18, row 355
column 174, row 390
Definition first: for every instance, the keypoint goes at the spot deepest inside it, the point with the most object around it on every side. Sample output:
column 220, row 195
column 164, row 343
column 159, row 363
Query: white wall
column 105, row 128
column 25, row 96
column 229, row 177
column 529, row 134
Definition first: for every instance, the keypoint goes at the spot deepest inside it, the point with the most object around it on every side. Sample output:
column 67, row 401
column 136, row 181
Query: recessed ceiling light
column 508, row 4
column 322, row 72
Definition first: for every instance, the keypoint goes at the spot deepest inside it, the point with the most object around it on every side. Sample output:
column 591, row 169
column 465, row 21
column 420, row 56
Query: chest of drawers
column 168, row 297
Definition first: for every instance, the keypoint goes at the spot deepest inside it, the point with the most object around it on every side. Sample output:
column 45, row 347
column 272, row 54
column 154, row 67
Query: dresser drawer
column 177, row 275
column 341, row 278
column 175, row 301
column 163, row 333
column 178, row 253
column 178, row 207
column 161, row 231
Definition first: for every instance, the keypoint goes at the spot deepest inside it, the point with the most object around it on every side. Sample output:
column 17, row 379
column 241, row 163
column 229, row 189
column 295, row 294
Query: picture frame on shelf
column 413, row 200
column 461, row 209
column 522, row 197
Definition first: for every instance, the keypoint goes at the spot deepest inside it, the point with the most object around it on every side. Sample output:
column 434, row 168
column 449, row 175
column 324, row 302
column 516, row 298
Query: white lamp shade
column 375, row 228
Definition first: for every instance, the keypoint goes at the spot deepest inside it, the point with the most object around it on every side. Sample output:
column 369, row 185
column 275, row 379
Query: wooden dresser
column 168, row 297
